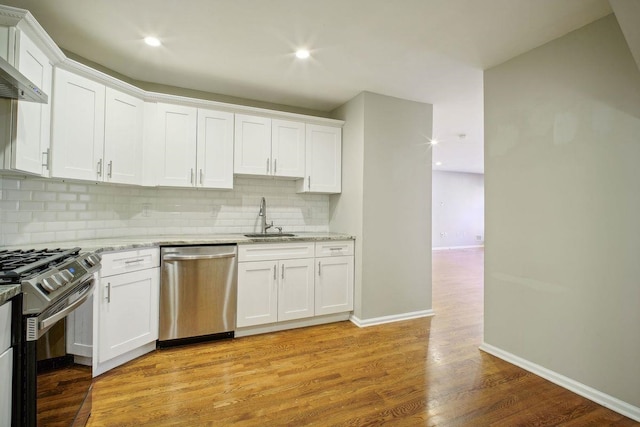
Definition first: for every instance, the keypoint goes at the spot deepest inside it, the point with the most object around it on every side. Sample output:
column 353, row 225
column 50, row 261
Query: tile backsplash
column 36, row 210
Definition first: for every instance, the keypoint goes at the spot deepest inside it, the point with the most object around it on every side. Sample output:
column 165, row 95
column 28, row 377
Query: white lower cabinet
column 128, row 313
column 334, row 277
column 295, row 293
column 276, row 284
column 127, row 307
column 6, row 373
column 257, row 293
column 6, row 365
column 334, row 285
column 280, row 282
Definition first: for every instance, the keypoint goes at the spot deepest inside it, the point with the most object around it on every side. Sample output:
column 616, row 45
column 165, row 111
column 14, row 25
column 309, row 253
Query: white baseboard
column 449, row 248
column 362, row 323
column 583, row 390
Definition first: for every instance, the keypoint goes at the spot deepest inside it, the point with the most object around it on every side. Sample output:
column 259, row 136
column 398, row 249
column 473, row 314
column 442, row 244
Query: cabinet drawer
column 334, row 248
column 275, row 251
column 128, row 261
column 5, row 326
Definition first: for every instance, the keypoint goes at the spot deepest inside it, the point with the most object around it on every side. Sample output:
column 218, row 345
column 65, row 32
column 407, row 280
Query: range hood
column 16, row 86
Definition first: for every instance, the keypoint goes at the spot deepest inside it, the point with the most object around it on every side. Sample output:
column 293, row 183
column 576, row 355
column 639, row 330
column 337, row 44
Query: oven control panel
column 63, row 276
column 58, row 281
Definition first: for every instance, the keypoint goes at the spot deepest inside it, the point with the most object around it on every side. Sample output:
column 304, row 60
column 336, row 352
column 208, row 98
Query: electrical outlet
column 478, row 237
column 443, row 234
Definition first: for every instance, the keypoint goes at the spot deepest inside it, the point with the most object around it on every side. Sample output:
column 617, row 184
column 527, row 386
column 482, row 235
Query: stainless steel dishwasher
column 198, row 287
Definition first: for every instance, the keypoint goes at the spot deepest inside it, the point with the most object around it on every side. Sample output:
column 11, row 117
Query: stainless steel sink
column 269, row 235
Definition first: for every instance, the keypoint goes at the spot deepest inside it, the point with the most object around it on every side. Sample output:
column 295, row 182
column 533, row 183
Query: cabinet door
column 6, row 373
column 257, row 293
column 252, row 142
column 287, row 148
column 33, row 120
column 215, row 149
column 79, row 330
column 176, row 143
column 78, row 127
column 334, row 285
column 296, row 295
column 128, row 312
column 323, row 159
column 124, row 115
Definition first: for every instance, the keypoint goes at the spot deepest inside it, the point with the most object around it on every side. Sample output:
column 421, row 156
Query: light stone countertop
column 135, row 242
column 9, row 291
column 126, row 243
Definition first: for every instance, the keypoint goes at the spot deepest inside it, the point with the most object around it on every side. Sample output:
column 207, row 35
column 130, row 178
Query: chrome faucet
column 263, row 213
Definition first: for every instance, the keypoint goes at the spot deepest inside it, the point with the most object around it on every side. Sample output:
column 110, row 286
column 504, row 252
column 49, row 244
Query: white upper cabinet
column 124, row 118
column 287, row 148
column 176, row 143
column 215, row 149
column 97, row 131
column 191, row 147
column 323, row 160
column 26, row 135
column 78, row 127
column 269, row 147
column 252, row 145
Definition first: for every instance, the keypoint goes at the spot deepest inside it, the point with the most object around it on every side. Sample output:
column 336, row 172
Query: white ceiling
column 431, row 51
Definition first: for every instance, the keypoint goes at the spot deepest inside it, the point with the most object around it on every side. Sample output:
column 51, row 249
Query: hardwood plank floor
column 423, row 372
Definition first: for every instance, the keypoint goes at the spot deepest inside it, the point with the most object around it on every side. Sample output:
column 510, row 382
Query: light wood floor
column 423, row 372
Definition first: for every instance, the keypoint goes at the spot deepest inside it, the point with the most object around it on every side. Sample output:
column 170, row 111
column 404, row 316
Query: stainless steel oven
column 54, row 282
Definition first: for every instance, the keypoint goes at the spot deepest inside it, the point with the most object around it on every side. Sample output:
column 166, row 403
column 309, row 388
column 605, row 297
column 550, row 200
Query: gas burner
column 18, row 264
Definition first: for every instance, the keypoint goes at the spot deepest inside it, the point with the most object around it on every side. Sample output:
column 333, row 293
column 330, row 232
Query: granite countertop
column 136, row 242
column 9, row 291
column 124, row 243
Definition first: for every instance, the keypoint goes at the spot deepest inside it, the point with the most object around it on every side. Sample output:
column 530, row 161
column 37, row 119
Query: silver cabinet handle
column 319, row 268
column 267, row 165
column 282, row 271
column 99, row 166
column 201, row 177
column 309, row 182
column 191, row 179
column 109, row 168
column 131, row 261
column 275, row 166
column 274, row 271
column 45, row 156
column 108, row 292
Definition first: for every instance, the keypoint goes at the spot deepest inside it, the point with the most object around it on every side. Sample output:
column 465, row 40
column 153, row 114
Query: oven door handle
column 50, row 321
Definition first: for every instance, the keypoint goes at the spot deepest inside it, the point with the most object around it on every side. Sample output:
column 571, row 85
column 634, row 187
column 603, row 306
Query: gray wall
column 562, row 180
column 345, row 209
column 387, row 202
column 458, row 209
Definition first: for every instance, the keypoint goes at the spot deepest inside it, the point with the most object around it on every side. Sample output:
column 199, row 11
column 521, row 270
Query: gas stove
column 54, row 283
column 47, row 275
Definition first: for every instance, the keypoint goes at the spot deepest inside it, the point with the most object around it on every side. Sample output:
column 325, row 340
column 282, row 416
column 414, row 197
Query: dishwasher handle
column 176, row 257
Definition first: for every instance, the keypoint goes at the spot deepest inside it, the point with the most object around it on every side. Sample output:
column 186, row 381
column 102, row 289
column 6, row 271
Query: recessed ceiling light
column 152, row 41
column 438, row 163
column 302, row 53
column 434, row 142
